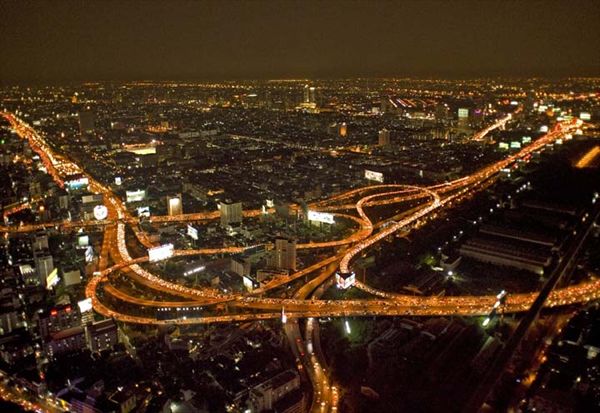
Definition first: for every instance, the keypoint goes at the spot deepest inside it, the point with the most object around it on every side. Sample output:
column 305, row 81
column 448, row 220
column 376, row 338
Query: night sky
column 121, row 40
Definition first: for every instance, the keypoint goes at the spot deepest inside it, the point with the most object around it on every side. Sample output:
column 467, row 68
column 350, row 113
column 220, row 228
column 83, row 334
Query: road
column 437, row 197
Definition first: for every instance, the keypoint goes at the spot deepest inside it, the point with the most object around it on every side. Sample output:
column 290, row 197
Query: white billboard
column 135, row 196
column 192, row 232
column 85, row 305
column 143, row 211
column 83, row 240
column 373, row 176
column 248, row 283
column 585, row 116
column 100, row 212
column 345, row 280
column 160, row 253
column 321, row 217
column 77, row 183
column 96, row 198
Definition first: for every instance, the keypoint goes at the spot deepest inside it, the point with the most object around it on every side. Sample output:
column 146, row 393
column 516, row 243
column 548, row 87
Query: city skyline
column 299, row 206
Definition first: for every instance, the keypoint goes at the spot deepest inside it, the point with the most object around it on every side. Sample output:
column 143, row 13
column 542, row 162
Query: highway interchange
column 368, row 233
column 425, row 202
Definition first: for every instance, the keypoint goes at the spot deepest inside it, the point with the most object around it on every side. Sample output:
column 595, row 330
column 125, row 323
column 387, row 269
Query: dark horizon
column 207, row 41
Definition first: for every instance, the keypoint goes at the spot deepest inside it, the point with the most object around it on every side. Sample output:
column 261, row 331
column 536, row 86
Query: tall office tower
column 312, row 95
column 174, row 205
column 332, row 129
column 463, row 119
column 231, row 213
column 102, row 335
column 343, row 129
column 35, row 189
column 285, row 254
column 87, row 119
column 44, row 264
column 384, row 137
column 306, row 94
column 441, row 113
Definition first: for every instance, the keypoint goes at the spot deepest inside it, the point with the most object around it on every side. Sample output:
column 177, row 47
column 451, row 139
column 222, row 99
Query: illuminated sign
column 78, row 183
column 135, row 196
column 321, row 217
column 100, row 212
column 270, row 203
column 373, row 176
column 143, row 211
column 345, row 280
column 515, row 145
column 544, row 128
column 585, row 116
column 192, row 232
column 160, row 253
column 463, row 113
column 52, row 279
column 118, row 180
column 83, row 240
column 85, row 305
column 503, row 145
column 142, row 150
column 248, row 283
column 526, row 139
column 514, row 103
column 194, row 270
column 96, row 198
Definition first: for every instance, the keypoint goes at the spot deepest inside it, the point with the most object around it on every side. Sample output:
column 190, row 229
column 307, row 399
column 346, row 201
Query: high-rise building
column 441, row 113
column 174, row 205
column 44, row 264
column 231, row 213
column 306, row 94
column 284, row 255
column 241, row 266
column 65, row 341
column 312, row 95
column 265, row 395
column 384, row 137
column 87, row 120
column 343, row 129
column 102, row 335
column 332, row 129
column 58, row 318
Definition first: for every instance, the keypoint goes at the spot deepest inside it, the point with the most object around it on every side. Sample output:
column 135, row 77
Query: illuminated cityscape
column 322, row 242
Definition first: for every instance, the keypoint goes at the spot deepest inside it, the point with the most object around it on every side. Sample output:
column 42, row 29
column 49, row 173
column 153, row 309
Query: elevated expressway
column 256, row 306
